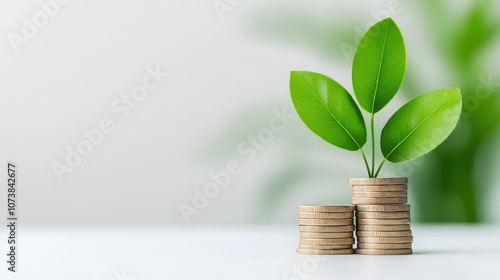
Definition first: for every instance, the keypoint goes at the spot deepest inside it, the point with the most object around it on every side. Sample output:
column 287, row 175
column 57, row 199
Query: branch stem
column 373, row 146
column 380, row 166
column 366, row 162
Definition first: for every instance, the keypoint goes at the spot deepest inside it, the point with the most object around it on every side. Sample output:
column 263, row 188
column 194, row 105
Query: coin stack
column 382, row 216
column 326, row 229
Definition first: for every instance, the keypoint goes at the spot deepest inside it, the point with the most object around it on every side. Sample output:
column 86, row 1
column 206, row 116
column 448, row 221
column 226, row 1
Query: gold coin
column 325, row 252
column 362, row 233
column 383, row 215
column 384, row 246
column 384, row 252
column 329, row 241
column 323, row 215
column 399, row 239
column 380, row 188
column 326, row 208
column 378, row 194
column 379, row 200
column 383, row 227
column 325, row 222
column 382, row 221
column 325, row 247
column 383, row 208
column 377, row 181
column 306, row 234
column 348, row 228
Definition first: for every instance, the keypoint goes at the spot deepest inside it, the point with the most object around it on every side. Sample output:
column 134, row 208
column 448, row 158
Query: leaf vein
column 411, row 132
column 327, row 109
column 379, row 69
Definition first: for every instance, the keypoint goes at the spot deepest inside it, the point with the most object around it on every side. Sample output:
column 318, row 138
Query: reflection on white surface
column 243, row 252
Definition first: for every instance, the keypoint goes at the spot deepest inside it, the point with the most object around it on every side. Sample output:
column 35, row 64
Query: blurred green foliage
column 454, row 194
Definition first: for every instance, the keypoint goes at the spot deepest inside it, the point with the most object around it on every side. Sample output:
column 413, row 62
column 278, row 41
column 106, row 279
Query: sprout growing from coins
column 379, row 65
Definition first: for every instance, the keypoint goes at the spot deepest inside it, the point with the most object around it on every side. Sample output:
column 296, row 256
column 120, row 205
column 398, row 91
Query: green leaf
column 379, row 65
column 328, row 109
column 421, row 125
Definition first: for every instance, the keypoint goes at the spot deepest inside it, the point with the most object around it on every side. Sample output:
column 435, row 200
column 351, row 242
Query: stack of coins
column 382, row 216
column 326, row 229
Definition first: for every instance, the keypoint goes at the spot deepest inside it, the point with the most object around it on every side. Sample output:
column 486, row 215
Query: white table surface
column 241, row 252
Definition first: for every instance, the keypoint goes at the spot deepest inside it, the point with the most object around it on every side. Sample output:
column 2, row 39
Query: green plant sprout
column 379, row 65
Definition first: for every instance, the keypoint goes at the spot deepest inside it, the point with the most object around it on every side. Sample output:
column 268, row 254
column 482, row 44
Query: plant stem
column 366, row 163
column 373, row 146
column 380, row 166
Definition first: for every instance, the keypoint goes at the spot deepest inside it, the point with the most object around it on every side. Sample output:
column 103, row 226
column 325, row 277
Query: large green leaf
column 421, row 125
column 328, row 109
column 379, row 65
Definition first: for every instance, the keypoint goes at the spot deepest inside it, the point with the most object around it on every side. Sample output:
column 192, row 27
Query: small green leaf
column 421, row 125
column 328, row 109
column 379, row 65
